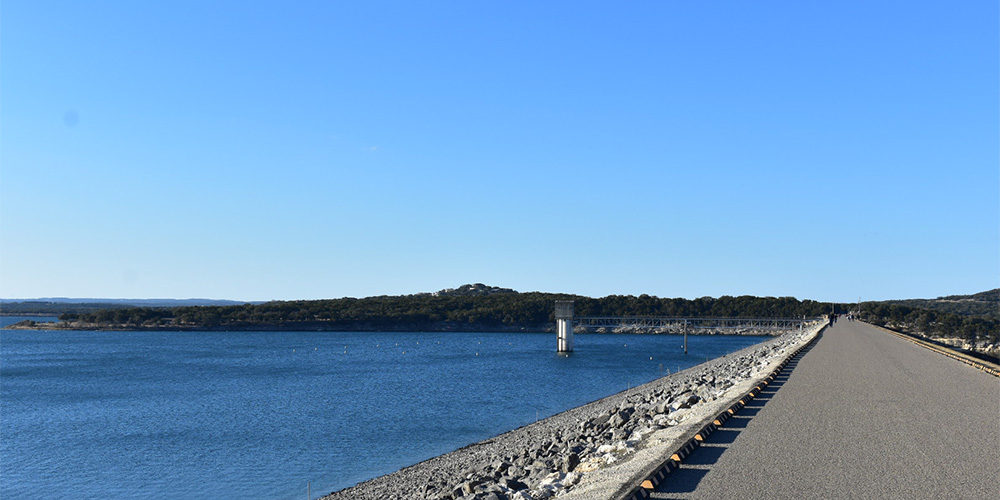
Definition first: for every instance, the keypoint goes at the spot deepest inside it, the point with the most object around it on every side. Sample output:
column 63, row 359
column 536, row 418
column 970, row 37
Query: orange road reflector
column 647, row 484
column 675, row 457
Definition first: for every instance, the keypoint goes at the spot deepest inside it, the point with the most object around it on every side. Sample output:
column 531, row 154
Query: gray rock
column 599, row 420
column 488, row 487
column 500, row 466
column 491, row 495
column 537, row 475
column 685, row 400
column 516, row 471
column 513, row 484
column 617, row 420
column 469, row 487
column 570, row 462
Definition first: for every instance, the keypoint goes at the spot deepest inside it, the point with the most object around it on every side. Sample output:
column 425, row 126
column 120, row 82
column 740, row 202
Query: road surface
column 860, row 414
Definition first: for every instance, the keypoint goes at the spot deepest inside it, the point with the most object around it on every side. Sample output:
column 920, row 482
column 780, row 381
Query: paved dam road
column 859, row 414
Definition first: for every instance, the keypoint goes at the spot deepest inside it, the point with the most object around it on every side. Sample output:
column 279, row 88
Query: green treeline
column 532, row 310
column 980, row 304
column 512, row 311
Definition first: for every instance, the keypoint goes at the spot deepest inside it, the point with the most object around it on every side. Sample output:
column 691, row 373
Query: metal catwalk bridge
column 567, row 323
column 680, row 325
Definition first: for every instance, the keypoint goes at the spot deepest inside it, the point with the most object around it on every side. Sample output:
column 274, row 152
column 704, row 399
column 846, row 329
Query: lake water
column 257, row 415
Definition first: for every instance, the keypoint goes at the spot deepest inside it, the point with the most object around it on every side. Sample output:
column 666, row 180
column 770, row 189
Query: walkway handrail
column 691, row 322
column 705, row 318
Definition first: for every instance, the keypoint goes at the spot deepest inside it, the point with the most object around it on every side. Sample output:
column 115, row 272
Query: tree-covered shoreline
column 506, row 311
column 483, row 308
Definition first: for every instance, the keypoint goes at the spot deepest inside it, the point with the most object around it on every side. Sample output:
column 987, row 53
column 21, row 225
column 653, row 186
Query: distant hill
column 471, row 290
column 61, row 305
column 980, row 304
column 138, row 302
column 987, row 296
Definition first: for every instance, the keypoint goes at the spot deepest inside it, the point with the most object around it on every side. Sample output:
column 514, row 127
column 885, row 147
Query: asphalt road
column 860, row 414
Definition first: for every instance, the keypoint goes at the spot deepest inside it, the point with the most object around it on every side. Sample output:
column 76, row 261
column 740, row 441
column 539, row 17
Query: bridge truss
column 658, row 324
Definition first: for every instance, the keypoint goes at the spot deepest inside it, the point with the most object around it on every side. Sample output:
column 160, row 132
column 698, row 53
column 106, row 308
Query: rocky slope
column 580, row 449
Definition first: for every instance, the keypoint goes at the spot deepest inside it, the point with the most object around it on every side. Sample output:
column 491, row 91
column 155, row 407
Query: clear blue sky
column 300, row 150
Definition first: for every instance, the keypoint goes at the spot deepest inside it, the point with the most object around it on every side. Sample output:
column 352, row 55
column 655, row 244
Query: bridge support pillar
column 564, row 326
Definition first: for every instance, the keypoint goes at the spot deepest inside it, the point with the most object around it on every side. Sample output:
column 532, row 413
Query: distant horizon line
column 99, row 300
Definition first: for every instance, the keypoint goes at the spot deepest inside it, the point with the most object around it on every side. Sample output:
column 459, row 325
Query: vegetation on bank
column 933, row 324
column 482, row 307
column 973, row 319
column 979, row 304
column 443, row 310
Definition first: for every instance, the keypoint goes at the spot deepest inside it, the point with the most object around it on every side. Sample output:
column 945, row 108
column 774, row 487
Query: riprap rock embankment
column 593, row 450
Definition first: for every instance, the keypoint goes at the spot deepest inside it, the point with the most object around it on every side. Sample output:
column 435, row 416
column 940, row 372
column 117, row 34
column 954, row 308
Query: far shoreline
column 29, row 325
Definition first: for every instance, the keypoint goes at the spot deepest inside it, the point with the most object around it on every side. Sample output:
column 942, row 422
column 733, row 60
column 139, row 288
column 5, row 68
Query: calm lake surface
column 259, row 414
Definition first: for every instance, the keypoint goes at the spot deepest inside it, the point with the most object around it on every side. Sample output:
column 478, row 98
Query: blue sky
column 301, row 150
